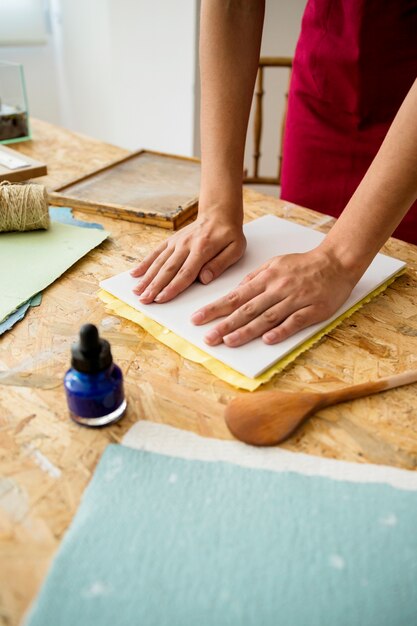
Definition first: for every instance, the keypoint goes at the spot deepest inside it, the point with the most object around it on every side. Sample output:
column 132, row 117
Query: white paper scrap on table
column 171, row 441
column 267, row 236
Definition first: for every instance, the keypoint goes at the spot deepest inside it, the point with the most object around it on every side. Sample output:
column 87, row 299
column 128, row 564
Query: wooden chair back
column 254, row 177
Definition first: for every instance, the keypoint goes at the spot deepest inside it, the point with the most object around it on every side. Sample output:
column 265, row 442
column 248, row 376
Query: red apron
column 354, row 64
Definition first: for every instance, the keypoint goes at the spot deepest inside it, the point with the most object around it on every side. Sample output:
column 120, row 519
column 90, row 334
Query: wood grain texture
column 47, row 460
column 147, row 187
column 34, row 168
column 254, row 177
column 268, row 418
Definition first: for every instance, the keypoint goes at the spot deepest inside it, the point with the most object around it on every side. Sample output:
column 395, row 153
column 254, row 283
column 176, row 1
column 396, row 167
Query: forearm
column 229, row 53
column 383, row 197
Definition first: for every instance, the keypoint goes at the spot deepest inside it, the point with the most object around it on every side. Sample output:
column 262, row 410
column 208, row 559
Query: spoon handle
column 367, row 389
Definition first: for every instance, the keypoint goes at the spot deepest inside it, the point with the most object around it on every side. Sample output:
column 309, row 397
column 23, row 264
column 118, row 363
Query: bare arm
column 293, row 291
column 230, row 36
column 229, row 54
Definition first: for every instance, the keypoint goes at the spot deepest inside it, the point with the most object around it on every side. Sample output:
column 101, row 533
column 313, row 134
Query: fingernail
column 206, row 276
column 231, row 339
column 197, row 317
column 212, row 335
column 269, row 336
column 160, row 296
column 145, row 294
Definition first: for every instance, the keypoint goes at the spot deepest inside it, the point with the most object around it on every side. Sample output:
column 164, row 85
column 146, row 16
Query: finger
column 220, row 263
column 267, row 320
column 182, row 279
column 197, row 259
column 253, row 274
column 153, row 270
column 225, row 306
column 292, row 324
column 249, row 311
column 143, row 266
column 271, row 321
column 171, row 268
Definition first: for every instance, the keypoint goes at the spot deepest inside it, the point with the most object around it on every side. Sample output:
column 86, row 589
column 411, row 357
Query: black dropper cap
column 91, row 354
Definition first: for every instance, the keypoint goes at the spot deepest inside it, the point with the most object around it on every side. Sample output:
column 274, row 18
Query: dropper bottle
column 94, row 384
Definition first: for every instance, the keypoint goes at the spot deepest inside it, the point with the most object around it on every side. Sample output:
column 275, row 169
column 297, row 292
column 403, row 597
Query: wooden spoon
column 266, row 418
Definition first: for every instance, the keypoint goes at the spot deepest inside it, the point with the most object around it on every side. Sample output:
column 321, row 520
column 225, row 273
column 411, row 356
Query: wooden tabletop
column 47, row 460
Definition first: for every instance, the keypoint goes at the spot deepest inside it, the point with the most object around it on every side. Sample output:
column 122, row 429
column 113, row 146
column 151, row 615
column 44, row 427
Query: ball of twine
column 23, row 207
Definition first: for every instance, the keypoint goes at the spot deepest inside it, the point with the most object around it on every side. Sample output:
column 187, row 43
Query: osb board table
column 47, row 460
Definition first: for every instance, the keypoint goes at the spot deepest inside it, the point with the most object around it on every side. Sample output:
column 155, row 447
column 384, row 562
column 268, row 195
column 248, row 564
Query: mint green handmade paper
column 163, row 541
column 31, row 261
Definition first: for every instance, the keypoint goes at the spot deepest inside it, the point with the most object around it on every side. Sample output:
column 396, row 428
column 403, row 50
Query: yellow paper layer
column 224, row 372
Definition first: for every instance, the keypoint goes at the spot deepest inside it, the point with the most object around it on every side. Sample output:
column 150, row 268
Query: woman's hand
column 203, row 249
column 283, row 296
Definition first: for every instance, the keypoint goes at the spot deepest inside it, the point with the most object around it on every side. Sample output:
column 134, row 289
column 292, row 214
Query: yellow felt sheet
column 224, row 372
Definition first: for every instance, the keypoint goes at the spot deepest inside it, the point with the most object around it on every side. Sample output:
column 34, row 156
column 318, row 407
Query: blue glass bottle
column 94, row 384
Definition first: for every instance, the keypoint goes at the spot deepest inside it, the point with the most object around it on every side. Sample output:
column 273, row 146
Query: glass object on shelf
column 14, row 115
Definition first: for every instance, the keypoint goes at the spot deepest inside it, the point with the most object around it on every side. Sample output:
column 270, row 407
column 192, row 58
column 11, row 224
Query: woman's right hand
column 203, row 249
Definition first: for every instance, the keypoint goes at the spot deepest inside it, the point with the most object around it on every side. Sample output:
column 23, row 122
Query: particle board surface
column 46, row 460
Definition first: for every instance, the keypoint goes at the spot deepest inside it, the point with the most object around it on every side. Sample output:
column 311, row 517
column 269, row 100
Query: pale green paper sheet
column 31, row 261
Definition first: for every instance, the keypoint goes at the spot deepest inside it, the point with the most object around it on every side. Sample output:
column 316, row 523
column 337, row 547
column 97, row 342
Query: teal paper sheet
column 19, row 313
column 163, row 541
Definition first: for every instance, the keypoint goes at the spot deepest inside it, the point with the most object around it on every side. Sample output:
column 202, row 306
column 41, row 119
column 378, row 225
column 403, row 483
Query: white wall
column 119, row 70
column 25, row 21
column 127, row 71
column 40, row 76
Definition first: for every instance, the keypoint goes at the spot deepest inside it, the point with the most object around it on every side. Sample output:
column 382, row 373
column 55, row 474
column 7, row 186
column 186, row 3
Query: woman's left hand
column 283, row 296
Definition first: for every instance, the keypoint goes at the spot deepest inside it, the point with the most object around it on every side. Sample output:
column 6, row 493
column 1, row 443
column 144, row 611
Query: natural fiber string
column 23, row 207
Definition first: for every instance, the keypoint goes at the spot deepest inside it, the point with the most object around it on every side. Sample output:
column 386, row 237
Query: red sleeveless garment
column 354, row 64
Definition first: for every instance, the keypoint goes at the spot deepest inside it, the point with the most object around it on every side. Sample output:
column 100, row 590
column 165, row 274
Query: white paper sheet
column 170, row 441
column 267, row 236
